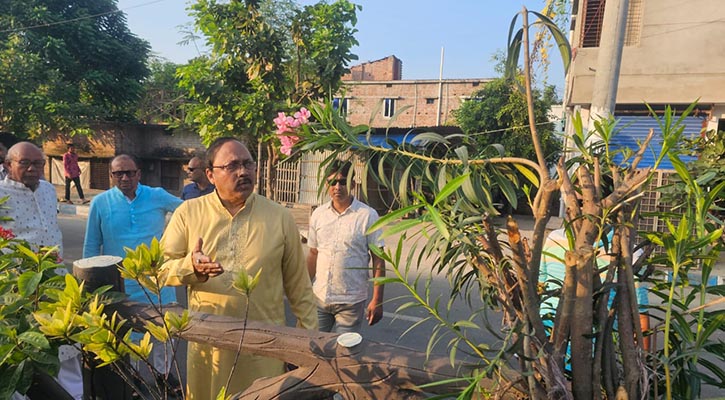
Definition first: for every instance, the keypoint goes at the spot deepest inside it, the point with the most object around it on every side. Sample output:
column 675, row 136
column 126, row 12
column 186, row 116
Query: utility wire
column 514, row 127
column 67, row 21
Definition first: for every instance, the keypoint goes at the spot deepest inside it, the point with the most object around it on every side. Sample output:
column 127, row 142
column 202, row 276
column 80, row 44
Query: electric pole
column 606, row 77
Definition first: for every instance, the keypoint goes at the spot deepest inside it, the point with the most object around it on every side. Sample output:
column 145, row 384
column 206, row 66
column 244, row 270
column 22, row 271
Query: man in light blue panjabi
column 128, row 215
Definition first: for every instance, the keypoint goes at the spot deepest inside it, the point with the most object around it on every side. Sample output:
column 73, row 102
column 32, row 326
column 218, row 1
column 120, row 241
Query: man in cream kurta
column 209, row 240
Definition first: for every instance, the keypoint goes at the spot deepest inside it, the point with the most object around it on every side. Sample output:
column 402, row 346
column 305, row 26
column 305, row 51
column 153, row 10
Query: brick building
column 162, row 152
column 376, row 89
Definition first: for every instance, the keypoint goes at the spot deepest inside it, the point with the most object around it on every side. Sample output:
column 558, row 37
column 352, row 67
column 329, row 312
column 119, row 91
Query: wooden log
column 370, row 370
column 99, row 271
column 103, row 382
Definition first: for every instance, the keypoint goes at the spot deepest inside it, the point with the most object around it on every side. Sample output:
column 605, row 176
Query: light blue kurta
column 115, row 223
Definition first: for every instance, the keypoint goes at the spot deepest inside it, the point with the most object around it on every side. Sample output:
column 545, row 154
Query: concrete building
column 673, row 55
column 375, row 91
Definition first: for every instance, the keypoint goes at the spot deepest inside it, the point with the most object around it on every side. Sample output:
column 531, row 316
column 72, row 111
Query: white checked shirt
column 34, row 213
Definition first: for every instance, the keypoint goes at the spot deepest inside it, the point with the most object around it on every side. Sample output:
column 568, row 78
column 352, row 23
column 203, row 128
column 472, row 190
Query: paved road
column 389, row 330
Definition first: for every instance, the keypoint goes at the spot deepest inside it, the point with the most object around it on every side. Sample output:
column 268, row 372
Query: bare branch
column 640, row 153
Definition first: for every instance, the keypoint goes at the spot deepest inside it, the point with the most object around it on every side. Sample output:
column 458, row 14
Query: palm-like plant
column 449, row 185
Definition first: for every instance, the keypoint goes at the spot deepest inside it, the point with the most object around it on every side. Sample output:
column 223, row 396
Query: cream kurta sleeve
column 296, row 279
column 177, row 270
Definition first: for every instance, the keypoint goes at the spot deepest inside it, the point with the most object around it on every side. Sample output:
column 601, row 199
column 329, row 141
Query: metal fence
column 298, row 181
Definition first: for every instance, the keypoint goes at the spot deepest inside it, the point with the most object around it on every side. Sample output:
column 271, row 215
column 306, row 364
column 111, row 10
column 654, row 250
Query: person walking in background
column 72, row 173
column 200, row 184
column 32, row 212
column 213, row 238
column 128, row 215
column 340, row 255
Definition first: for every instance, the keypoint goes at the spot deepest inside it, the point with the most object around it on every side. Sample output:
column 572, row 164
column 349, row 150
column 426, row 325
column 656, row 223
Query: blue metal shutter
column 634, row 129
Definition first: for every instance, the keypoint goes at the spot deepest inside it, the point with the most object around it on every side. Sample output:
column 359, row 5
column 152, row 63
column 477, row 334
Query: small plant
column 70, row 315
column 244, row 284
column 27, row 277
column 691, row 355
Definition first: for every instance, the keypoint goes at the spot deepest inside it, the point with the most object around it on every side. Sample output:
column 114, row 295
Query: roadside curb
column 72, row 209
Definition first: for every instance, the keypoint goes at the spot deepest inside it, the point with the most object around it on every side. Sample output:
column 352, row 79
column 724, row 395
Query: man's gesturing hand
column 204, row 267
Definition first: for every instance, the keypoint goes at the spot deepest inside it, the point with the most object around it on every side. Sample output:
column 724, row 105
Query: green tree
column 497, row 114
column 323, row 36
column 162, row 100
column 257, row 64
column 66, row 63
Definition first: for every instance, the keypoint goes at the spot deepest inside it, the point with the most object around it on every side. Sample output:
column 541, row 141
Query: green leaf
column 28, row 253
column 28, row 282
column 35, row 339
column 435, row 217
column 462, row 153
column 450, row 188
column 429, row 137
column 466, row 324
column 402, row 226
column 391, row 217
column 528, row 174
column 559, row 37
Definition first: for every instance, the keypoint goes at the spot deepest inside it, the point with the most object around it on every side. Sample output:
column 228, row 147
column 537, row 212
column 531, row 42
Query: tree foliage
column 65, row 63
column 162, row 100
column 258, row 65
column 708, row 167
column 498, row 114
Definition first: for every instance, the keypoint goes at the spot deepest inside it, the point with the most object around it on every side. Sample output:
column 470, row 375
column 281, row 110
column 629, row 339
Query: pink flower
column 6, row 234
column 303, row 116
column 288, row 141
column 286, row 127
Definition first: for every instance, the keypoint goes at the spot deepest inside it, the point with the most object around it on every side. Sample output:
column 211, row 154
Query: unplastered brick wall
column 387, row 69
column 366, row 99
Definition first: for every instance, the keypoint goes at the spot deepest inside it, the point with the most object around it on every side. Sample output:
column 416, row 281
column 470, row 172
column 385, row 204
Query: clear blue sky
column 412, row 30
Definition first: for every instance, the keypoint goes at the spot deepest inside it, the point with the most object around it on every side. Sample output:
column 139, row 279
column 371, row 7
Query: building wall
column 678, row 57
column 365, row 99
column 386, row 69
column 161, row 151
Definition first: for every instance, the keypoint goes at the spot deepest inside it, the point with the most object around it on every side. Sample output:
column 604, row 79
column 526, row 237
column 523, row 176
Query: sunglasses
column 120, row 174
column 333, row 182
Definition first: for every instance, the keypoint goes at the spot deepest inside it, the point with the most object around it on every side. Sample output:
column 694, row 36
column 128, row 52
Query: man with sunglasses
column 339, row 257
column 128, row 215
column 32, row 211
column 200, row 184
column 212, row 239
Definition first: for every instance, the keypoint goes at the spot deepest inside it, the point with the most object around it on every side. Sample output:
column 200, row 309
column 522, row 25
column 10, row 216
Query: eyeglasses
column 27, row 163
column 120, row 174
column 237, row 165
column 333, row 182
column 192, row 169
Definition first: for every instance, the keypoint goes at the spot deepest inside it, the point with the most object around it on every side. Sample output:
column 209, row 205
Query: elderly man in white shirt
column 32, row 207
column 339, row 257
